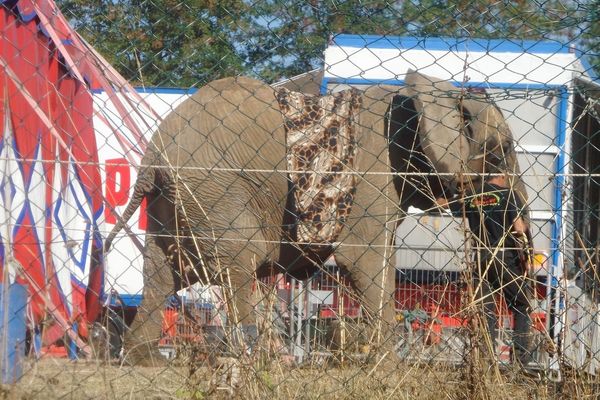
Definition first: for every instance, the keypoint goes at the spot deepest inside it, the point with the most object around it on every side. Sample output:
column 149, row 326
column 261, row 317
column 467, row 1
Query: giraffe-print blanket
column 321, row 151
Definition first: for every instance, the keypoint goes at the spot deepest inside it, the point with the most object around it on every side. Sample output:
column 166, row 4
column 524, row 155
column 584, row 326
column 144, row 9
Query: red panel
column 118, row 181
column 432, row 298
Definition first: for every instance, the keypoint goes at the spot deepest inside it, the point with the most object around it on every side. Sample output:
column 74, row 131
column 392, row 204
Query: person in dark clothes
column 502, row 255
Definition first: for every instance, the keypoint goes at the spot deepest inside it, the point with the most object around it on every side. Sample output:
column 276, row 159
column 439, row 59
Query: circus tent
column 50, row 183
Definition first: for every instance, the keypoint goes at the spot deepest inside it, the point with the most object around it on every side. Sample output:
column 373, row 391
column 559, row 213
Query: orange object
column 452, row 322
column 432, row 331
column 169, row 322
column 54, row 351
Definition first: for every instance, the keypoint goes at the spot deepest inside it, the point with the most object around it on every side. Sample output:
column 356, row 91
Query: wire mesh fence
column 299, row 199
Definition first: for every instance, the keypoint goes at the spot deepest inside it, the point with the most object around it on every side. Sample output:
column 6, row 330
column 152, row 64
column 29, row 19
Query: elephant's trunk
column 143, row 185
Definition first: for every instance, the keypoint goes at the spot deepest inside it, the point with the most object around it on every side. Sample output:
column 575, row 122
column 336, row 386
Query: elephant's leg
column 373, row 279
column 243, row 331
column 243, row 249
column 141, row 342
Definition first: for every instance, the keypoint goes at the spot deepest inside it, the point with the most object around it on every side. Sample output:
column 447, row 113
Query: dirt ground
column 60, row 378
column 54, row 378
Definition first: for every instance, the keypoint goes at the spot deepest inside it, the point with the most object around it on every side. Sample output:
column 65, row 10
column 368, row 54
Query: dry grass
column 59, row 378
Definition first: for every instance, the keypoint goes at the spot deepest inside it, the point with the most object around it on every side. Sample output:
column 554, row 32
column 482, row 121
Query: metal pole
column 299, row 353
column 292, row 315
column 308, row 318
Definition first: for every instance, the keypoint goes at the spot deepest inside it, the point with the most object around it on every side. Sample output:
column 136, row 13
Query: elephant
column 225, row 206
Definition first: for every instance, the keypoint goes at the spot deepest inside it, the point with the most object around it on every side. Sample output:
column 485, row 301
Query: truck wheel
column 106, row 336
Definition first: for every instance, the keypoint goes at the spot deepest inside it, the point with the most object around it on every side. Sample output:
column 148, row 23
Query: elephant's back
column 225, row 121
column 226, row 145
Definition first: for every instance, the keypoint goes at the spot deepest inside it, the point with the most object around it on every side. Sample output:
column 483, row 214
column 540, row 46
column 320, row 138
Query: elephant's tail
column 144, row 185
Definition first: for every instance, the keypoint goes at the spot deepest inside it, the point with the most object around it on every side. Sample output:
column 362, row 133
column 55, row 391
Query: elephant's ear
column 440, row 125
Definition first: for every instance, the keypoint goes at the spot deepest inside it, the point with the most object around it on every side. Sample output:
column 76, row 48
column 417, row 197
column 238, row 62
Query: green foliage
column 485, row 19
column 188, row 43
column 591, row 34
column 163, row 42
column 292, row 35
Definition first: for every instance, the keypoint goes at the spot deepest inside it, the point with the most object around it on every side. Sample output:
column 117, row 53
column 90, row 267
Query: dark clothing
column 506, row 276
column 491, row 212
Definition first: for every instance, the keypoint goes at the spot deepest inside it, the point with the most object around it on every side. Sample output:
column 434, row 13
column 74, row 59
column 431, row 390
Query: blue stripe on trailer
column 157, row 90
column 126, row 300
column 400, row 82
column 559, row 180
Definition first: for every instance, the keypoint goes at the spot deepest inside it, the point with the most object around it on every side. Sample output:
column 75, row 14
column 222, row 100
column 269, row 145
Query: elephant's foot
column 349, row 337
column 143, row 354
column 352, row 341
column 243, row 340
column 383, row 347
column 227, row 377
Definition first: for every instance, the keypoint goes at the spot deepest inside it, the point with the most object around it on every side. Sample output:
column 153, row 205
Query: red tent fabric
column 50, row 185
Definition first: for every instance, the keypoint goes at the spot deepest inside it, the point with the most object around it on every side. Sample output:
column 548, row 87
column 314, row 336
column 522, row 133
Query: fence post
column 13, row 298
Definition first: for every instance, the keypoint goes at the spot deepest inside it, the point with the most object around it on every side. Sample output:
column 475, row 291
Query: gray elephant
column 243, row 180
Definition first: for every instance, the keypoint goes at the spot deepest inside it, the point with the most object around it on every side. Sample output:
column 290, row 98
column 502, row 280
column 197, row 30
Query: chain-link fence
column 299, row 199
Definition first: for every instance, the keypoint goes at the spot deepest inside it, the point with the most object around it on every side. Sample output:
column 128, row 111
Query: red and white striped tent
column 50, row 184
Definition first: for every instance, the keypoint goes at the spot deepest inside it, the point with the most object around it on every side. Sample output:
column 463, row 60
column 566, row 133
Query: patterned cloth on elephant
column 321, row 150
